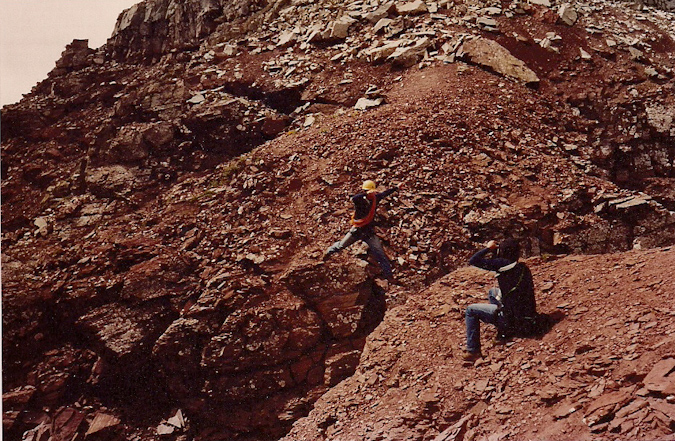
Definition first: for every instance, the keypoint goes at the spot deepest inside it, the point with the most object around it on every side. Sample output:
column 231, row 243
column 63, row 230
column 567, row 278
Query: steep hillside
column 602, row 371
column 167, row 199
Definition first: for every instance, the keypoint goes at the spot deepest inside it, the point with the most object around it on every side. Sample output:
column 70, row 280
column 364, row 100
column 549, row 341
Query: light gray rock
column 318, row 33
column 487, row 23
column 382, row 12
column 340, row 27
column 197, row 99
column 43, row 227
column 636, row 54
column 366, row 103
column 409, row 55
column 492, row 55
column 416, row 7
column 568, row 14
column 383, row 23
column 287, row 38
column 662, row 118
column 380, row 53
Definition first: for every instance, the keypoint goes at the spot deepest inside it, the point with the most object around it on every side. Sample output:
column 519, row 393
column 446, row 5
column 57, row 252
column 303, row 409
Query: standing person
column 365, row 205
column 512, row 306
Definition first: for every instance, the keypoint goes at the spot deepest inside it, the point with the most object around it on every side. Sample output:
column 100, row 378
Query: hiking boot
column 471, row 357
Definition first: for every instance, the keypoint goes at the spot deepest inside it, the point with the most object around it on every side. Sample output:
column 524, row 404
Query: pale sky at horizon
column 33, row 33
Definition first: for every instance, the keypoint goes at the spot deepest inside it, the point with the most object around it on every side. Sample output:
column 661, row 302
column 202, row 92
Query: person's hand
column 492, row 245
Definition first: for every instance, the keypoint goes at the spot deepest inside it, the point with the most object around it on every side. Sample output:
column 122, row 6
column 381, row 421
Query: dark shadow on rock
column 374, row 310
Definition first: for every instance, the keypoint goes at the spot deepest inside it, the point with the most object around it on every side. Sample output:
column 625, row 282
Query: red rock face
column 167, row 199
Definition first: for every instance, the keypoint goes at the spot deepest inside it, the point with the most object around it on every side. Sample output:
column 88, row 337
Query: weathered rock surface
column 492, row 55
column 273, row 344
column 166, row 201
column 585, row 377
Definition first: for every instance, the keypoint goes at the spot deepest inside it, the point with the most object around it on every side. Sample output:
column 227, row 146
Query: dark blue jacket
column 518, row 303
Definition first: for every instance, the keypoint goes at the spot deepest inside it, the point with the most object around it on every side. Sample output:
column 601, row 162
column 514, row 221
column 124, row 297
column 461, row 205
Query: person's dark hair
column 509, row 249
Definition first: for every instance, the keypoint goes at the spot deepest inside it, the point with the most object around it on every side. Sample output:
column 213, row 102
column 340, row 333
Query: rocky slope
column 602, row 371
column 166, row 200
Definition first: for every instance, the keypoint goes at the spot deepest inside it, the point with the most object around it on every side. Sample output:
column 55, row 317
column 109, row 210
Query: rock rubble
column 167, row 198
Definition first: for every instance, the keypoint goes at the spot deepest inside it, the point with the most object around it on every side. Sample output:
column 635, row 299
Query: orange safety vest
column 359, row 223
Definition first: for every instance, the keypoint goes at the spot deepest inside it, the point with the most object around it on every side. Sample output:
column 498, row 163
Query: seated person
column 512, row 306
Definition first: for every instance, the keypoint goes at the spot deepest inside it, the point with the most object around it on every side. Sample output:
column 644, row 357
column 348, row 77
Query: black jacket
column 362, row 204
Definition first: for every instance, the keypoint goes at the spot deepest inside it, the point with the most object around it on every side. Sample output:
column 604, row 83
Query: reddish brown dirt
column 613, row 324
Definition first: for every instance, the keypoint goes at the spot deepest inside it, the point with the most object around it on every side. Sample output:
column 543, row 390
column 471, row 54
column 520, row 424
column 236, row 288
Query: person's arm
column 386, row 193
column 480, row 261
column 490, row 264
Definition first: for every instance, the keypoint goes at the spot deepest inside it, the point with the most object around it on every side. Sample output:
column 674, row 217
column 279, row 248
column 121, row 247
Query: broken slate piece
column 177, row 420
column 366, row 103
column 383, row 23
column 165, row 429
column 487, row 23
column 567, row 14
column 197, row 99
column 492, row 55
column 340, row 27
column 412, row 8
column 101, row 422
column 662, row 377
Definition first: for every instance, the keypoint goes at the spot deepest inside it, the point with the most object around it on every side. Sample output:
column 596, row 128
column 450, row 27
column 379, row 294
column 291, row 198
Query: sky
column 33, row 33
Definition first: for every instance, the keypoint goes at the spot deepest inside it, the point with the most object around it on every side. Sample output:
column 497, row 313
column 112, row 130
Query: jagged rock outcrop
column 257, row 355
column 153, row 28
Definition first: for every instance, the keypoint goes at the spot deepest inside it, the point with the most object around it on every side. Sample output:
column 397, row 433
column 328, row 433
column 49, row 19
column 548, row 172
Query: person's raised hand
column 492, row 245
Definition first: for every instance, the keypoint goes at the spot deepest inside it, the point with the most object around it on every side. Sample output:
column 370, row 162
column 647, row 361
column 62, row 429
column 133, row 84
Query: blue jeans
column 374, row 246
column 481, row 312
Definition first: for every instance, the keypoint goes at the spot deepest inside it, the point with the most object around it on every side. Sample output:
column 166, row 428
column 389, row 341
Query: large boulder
column 124, row 334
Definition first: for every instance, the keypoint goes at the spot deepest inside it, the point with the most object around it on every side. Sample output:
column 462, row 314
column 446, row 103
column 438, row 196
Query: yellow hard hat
column 369, row 186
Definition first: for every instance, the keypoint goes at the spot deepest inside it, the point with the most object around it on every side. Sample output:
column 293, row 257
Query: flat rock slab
column 490, row 54
column 604, row 407
column 662, row 377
